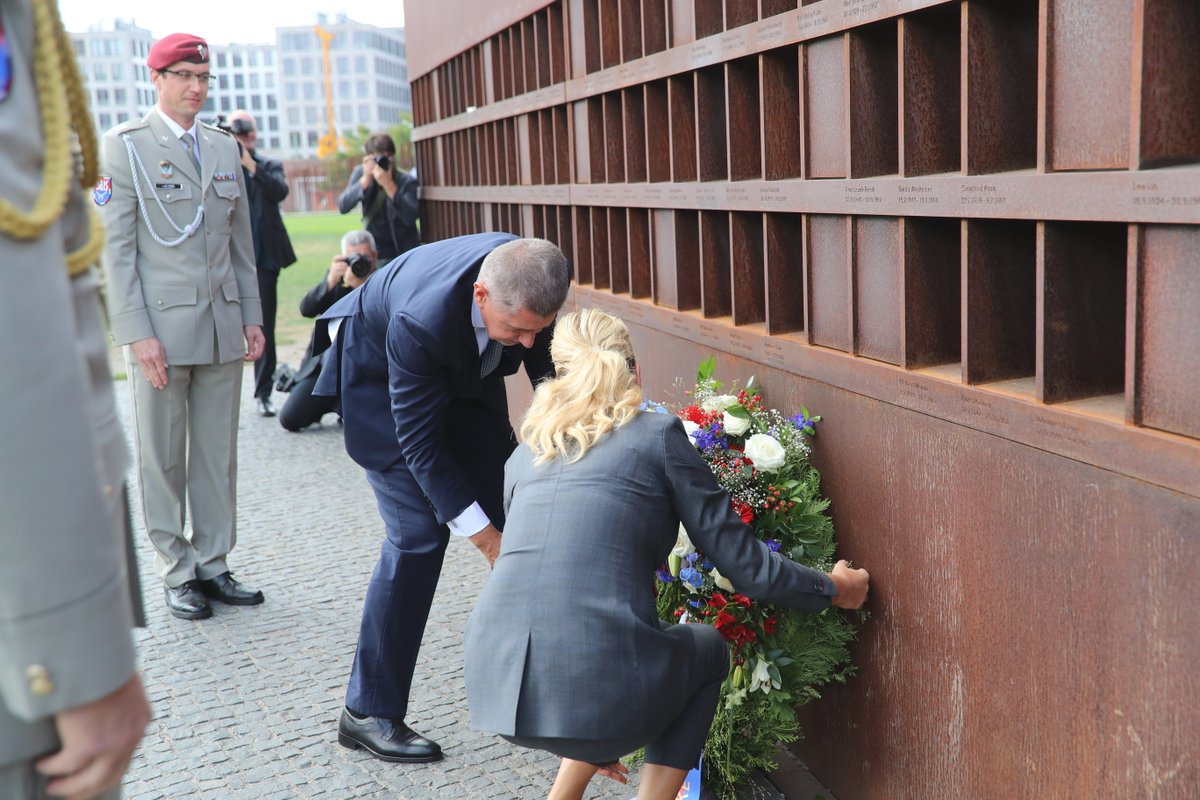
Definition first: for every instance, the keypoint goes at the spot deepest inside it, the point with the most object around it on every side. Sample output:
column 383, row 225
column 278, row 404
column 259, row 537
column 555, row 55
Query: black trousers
column 264, row 368
column 302, row 409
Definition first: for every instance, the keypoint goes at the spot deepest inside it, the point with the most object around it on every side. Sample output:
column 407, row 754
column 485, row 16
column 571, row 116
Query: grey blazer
column 206, row 287
column 65, row 599
column 565, row 640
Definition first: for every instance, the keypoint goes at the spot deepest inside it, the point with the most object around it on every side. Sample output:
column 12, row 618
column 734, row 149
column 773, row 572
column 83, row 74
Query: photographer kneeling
column 346, row 273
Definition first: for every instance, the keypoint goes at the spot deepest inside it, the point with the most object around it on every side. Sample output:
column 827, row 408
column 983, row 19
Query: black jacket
column 267, row 189
column 318, row 300
column 394, row 221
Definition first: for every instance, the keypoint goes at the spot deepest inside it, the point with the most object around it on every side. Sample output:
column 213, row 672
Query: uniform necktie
column 189, row 144
column 489, row 358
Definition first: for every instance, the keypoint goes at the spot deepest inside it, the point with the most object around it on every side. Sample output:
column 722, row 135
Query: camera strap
column 377, row 199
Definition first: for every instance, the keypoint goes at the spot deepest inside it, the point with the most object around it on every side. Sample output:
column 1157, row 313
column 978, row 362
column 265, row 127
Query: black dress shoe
column 186, row 602
column 265, row 408
column 386, row 739
column 225, row 589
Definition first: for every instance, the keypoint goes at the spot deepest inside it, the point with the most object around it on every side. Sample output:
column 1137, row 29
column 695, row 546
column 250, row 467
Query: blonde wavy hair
column 593, row 392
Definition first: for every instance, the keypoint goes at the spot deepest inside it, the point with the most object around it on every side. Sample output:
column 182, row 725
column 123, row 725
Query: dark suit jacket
column 267, row 189
column 394, row 224
column 317, row 301
column 565, row 640
column 410, row 390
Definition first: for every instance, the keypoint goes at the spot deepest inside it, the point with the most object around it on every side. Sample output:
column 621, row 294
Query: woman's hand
column 851, row 584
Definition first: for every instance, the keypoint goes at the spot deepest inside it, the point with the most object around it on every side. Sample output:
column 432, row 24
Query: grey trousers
column 186, row 444
column 21, row 781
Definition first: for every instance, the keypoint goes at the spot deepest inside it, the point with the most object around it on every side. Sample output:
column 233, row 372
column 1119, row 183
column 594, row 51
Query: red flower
column 723, row 619
column 717, row 600
column 694, row 414
column 744, row 511
column 742, row 600
column 769, row 625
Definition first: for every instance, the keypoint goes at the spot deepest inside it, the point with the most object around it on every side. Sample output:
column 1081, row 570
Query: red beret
column 175, row 48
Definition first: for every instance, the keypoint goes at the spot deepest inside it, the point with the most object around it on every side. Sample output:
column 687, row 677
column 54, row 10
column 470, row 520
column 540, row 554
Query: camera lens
column 383, row 161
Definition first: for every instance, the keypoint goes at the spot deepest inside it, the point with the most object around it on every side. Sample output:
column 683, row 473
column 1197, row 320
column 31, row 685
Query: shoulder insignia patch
column 103, row 191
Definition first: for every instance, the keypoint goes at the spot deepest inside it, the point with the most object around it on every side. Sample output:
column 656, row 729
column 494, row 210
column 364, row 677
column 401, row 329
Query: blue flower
column 804, row 422
column 692, row 577
column 695, row 603
column 710, row 437
column 650, row 405
column 773, row 545
column 665, row 575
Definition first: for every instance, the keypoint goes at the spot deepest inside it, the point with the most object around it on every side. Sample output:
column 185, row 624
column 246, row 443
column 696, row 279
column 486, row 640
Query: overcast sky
column 225, row 21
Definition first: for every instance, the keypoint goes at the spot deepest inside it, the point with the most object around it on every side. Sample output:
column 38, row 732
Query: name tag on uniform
column 224, row 176
column 168, row 186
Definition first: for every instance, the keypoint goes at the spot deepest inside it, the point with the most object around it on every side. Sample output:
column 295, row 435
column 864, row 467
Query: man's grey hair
column 527, row 275
column 355, row 238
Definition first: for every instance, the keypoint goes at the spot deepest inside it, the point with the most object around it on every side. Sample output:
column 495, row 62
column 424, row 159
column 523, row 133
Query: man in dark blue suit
column 418, row 363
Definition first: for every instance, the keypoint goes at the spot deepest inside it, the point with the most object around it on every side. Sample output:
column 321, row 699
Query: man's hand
column 488, row 542
column 248, row 160
column 255, row 342
column 153, row 360
column 98, row 739
column 337, row 272
column 368, row 176
column 851, row 584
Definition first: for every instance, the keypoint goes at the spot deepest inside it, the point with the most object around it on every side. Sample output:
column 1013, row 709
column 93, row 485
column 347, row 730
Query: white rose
column 767, row 454
column 736, row 426
column 690, row 427
column 721, row 581
column 683, row 544
column 719, row 402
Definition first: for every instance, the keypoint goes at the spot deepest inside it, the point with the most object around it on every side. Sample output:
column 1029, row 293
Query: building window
column 220, row 59
column 256, row 102
column 223, row 82
column 239, row 81
column 312, row 138
column 274, row 142
column 363, row 90
column 343, row 63
column 119, row 97
column 241, row 101
column 252, row 59
column 293, row 116
column 268, row 58
column 102, row 97
column 294, row 139
column 310, row 91
column 270, row 84
column 253, row 80
column 360, row 64
column 345, row 88
column 226, row 106
column 99, row 72
column 273, row 123
column 117, row 71
column 307, row 66
column 310, row 115
column 237, row 59
column 106, row 121
column 364, row 114
column 289, row 66
column 291, row 92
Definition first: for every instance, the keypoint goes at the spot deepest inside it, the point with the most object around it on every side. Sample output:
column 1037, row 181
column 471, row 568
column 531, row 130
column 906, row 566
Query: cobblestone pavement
column 246, row 703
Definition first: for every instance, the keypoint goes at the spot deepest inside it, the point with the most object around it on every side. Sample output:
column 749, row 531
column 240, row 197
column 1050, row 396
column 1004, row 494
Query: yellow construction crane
column 330, row 142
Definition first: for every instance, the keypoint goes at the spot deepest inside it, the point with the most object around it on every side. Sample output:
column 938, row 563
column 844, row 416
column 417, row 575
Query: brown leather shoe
column 224, row 589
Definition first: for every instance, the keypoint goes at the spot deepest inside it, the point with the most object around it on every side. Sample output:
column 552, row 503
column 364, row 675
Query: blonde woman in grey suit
column 564, row 651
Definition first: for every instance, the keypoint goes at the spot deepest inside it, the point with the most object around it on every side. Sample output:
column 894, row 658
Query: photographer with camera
column 388, row 198
column 267, row 188
column 346, row 273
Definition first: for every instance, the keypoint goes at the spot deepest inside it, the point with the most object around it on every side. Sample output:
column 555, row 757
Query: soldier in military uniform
column 183, row 296
column 72, row 708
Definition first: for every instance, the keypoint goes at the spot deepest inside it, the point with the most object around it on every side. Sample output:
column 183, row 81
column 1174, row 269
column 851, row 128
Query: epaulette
column 210, row 127
column 131, row 125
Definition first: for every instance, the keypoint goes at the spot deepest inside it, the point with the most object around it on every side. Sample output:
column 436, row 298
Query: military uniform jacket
column 65, row 592
column 194, row 292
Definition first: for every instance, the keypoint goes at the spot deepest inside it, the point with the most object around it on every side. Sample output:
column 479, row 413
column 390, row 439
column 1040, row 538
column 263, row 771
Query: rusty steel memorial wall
column 967, row 233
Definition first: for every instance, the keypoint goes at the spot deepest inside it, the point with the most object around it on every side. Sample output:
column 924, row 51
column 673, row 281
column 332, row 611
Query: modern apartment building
column 368, row 80
column 283, row 84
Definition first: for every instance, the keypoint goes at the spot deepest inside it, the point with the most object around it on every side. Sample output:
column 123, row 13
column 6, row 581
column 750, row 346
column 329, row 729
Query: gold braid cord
column 61, row 98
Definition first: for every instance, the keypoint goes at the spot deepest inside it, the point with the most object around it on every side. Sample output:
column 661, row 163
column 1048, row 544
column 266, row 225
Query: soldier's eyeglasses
column 184, row 75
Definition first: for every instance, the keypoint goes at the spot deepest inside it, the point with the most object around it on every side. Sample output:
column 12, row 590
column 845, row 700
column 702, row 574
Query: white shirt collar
column 481, row 336
column 178, row 129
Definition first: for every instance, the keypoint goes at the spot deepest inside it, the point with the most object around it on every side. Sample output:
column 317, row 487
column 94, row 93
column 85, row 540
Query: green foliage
column 316, row 238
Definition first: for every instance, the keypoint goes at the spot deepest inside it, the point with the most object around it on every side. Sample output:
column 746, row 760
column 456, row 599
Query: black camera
column 384, row 162
column 359, row 264
column 240, row 126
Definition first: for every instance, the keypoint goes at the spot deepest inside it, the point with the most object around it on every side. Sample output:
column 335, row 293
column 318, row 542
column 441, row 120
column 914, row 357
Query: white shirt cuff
column 470, row 522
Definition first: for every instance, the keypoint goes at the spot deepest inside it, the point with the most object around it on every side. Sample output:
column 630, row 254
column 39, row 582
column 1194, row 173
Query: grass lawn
column 317, row 238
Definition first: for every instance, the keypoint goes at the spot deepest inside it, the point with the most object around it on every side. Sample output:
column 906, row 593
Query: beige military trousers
column 185, row 441
column 21, row 781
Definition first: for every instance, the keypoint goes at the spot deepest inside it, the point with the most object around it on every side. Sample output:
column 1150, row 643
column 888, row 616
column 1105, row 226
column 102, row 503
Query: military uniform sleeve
column 128, row 317
column 65, row 613
column 241, row 254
